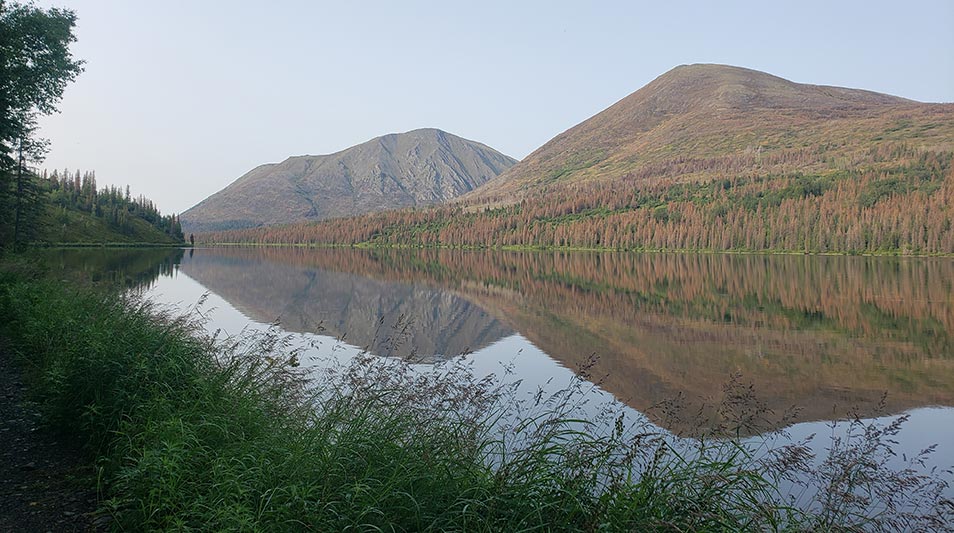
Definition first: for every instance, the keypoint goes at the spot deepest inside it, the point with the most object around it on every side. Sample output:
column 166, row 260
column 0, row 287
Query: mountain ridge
column 411, row 169
column 686, row 111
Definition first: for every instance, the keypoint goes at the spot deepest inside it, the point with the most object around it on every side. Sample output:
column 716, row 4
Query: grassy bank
column 190, row 432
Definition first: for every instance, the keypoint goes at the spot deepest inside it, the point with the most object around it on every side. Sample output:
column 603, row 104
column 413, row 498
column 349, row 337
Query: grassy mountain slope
column 417, row 168
column 700, row 112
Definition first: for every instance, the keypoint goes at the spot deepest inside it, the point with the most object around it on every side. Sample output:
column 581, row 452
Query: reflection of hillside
column 392, row 319
column 804, row 330
column 655, row 358
column 823, row 333
column 133, row 268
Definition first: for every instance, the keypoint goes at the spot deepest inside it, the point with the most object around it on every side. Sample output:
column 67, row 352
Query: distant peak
column 411, row 169
column 720, row 73
column 426, row 131
column 419, row 132
column 714, row 67
column 706, row 85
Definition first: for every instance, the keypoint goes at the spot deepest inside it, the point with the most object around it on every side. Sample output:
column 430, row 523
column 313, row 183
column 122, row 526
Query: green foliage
column 661, row 213
column 795, row 188
column 574, row 163
column 66, row 226
column 70, row 209
column 879, row 189
column 27, row 203
column 35, row 67
column 593, row 212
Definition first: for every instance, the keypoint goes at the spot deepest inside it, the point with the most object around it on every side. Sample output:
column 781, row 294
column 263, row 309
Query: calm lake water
column 829, row 335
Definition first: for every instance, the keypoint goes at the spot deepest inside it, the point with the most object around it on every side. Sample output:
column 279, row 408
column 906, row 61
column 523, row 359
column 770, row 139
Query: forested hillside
column 901, row 200
column 67, row 207
column 706, row 157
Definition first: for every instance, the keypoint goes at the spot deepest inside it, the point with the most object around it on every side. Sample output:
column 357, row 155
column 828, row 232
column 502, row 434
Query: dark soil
column 46, row 483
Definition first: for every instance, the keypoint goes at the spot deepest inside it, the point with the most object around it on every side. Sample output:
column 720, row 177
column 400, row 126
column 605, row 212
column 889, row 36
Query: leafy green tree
column 35, row 67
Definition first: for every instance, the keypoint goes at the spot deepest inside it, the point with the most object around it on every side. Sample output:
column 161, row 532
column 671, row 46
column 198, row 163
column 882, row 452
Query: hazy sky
column 180, row 98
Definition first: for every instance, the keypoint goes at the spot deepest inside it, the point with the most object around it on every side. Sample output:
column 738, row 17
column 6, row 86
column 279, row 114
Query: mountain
column 413, row 169
column 705, row 157
column 696, row 112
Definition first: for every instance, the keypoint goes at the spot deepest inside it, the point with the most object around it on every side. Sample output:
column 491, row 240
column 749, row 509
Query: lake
column 812, row 338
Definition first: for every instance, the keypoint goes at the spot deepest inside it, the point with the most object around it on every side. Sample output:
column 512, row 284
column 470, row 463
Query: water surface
column 831, row 336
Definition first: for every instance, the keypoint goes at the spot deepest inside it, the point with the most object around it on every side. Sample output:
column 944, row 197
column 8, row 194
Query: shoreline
column 364, row 246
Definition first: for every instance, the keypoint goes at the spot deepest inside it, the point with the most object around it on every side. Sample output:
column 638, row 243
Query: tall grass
column 191, row 432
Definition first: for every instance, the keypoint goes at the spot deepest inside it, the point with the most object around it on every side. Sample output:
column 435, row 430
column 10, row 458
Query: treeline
column 76, row 190
column 899, row 200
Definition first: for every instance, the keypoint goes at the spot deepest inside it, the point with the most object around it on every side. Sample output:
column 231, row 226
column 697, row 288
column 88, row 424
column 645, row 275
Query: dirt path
column 45, row 483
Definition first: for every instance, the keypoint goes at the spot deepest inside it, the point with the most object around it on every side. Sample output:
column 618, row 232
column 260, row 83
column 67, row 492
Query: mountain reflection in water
column 825, row 334
column 394, row 319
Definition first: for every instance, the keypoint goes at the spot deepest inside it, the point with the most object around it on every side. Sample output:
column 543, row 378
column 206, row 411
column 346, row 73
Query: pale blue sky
column 181, row 97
